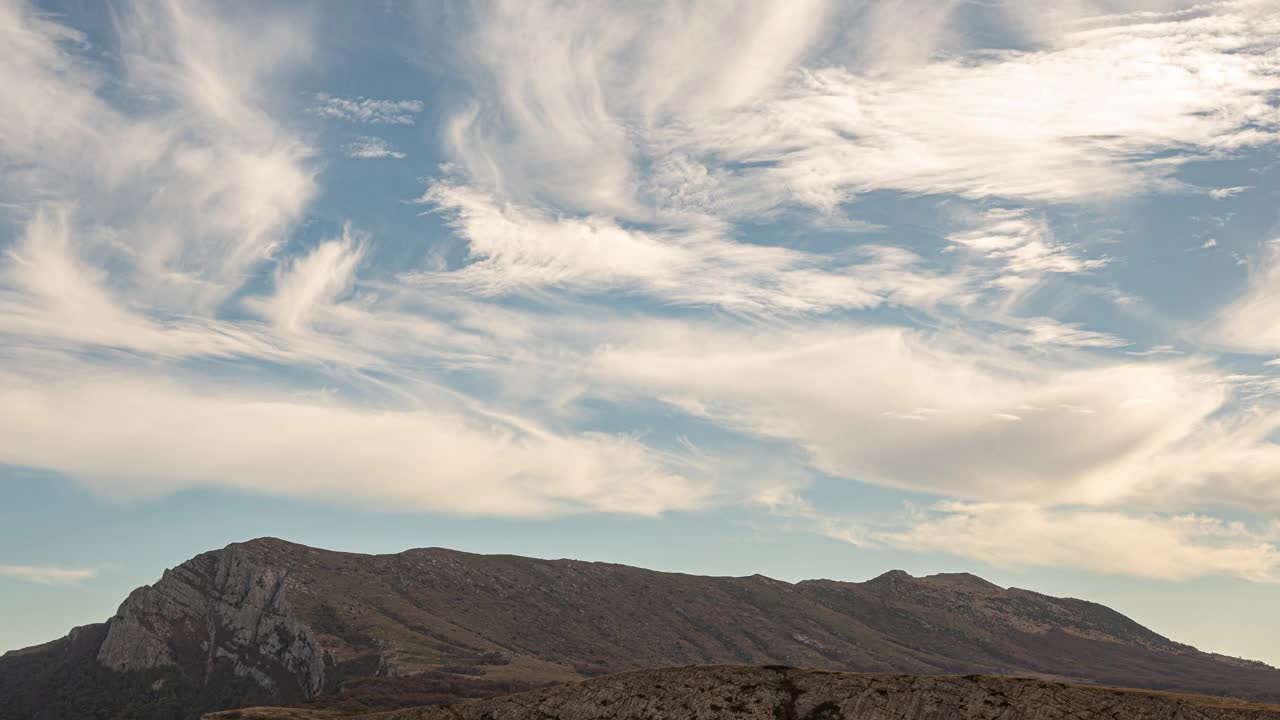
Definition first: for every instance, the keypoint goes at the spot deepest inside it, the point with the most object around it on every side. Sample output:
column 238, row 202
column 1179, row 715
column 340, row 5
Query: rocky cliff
column 217, row 608
column 216, row 631
column 778, row 693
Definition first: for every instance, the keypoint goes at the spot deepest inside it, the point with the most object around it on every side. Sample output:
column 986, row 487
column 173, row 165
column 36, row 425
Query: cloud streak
column 46, row 575
column 1177, row 547
column 514, row 248
column 414, row 458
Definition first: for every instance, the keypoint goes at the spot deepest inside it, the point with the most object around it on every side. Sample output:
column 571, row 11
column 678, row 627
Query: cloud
column 1157, row 350
column 191, row 185
column 1091, row 113
column 1210, row 243
column 46, row 575
column 565, row 94
column 1251, row 322
column 1043, row 331
column 411, row 459
column 515, row 248
column 51, row 296
column 366, row 110
column 372, row 148
column 1020, row 124
column 1092, row 430
column 1226, row 192
column 1021, row 247
column 1161, row 546
column 317, row 278
column 1177, row 547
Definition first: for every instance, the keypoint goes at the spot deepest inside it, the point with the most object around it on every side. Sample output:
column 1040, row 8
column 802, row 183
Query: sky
column 805, row 288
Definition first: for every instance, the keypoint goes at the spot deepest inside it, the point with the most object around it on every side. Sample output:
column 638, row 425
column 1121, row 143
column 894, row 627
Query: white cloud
column 1226, row 192
column 565, row 93
column 1091, row 430
column 1086, row 119
column 46, row 575
column 648, row 118
column 1210, row 243
column 1043, row 331
column 372, row 148
column 1175, row 547
column 1157, row 350
column 366, row 110
column 317, row 278
column 1251, row 322
column 1021, row 248
column 195, row 183
column 50, row 295
column 416, row 458
column 517, row 248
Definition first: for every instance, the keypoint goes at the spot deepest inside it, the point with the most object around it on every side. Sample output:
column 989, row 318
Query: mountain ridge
column 272, row 622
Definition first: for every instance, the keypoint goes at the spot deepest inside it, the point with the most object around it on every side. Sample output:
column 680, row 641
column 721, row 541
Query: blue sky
column 810, row 289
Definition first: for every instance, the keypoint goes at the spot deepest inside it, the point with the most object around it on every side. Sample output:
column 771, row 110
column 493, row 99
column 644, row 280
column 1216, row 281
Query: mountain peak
column 892, row 577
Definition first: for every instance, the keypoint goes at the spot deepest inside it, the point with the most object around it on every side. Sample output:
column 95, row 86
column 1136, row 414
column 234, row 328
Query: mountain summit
column 271, row 622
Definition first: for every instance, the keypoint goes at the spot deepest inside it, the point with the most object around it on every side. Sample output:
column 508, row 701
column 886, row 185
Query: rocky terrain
column 780, row 693
column 273, row 623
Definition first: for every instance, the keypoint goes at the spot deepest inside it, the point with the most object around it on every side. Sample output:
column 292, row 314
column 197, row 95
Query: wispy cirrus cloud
column 1170, row 548
column 191, row 190
column 1020, row 247
column 565, row 110
column 1164, row 547
column 1251, row 321
column 1093, row 430
column 185, row 196
column 1021, row 124
column 515, row 248
column 368, row 110
column 1226, row 192
column 270, row 442
column 373, row 148
column 1043, row 332
column 44, row 575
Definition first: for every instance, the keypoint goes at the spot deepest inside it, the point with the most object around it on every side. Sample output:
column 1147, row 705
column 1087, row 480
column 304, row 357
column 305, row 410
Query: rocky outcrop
column 217, row 610
column 777, row 693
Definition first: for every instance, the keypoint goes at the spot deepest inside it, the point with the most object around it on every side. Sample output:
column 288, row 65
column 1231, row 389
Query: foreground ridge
column 781, row 693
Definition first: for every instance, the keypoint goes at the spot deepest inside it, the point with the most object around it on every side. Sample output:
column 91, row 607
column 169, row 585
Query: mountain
column 781, row 693
column 269, row 622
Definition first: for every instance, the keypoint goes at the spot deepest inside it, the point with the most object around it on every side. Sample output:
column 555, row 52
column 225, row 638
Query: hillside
column 780, row 693
column 271, row 622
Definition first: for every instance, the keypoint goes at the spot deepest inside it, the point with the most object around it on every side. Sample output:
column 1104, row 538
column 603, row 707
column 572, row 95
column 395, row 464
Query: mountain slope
column 780, row 693
column 270, row 622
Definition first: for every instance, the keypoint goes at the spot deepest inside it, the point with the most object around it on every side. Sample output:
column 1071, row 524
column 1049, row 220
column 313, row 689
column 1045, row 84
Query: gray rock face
column 218, row 609
column 775, row 693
